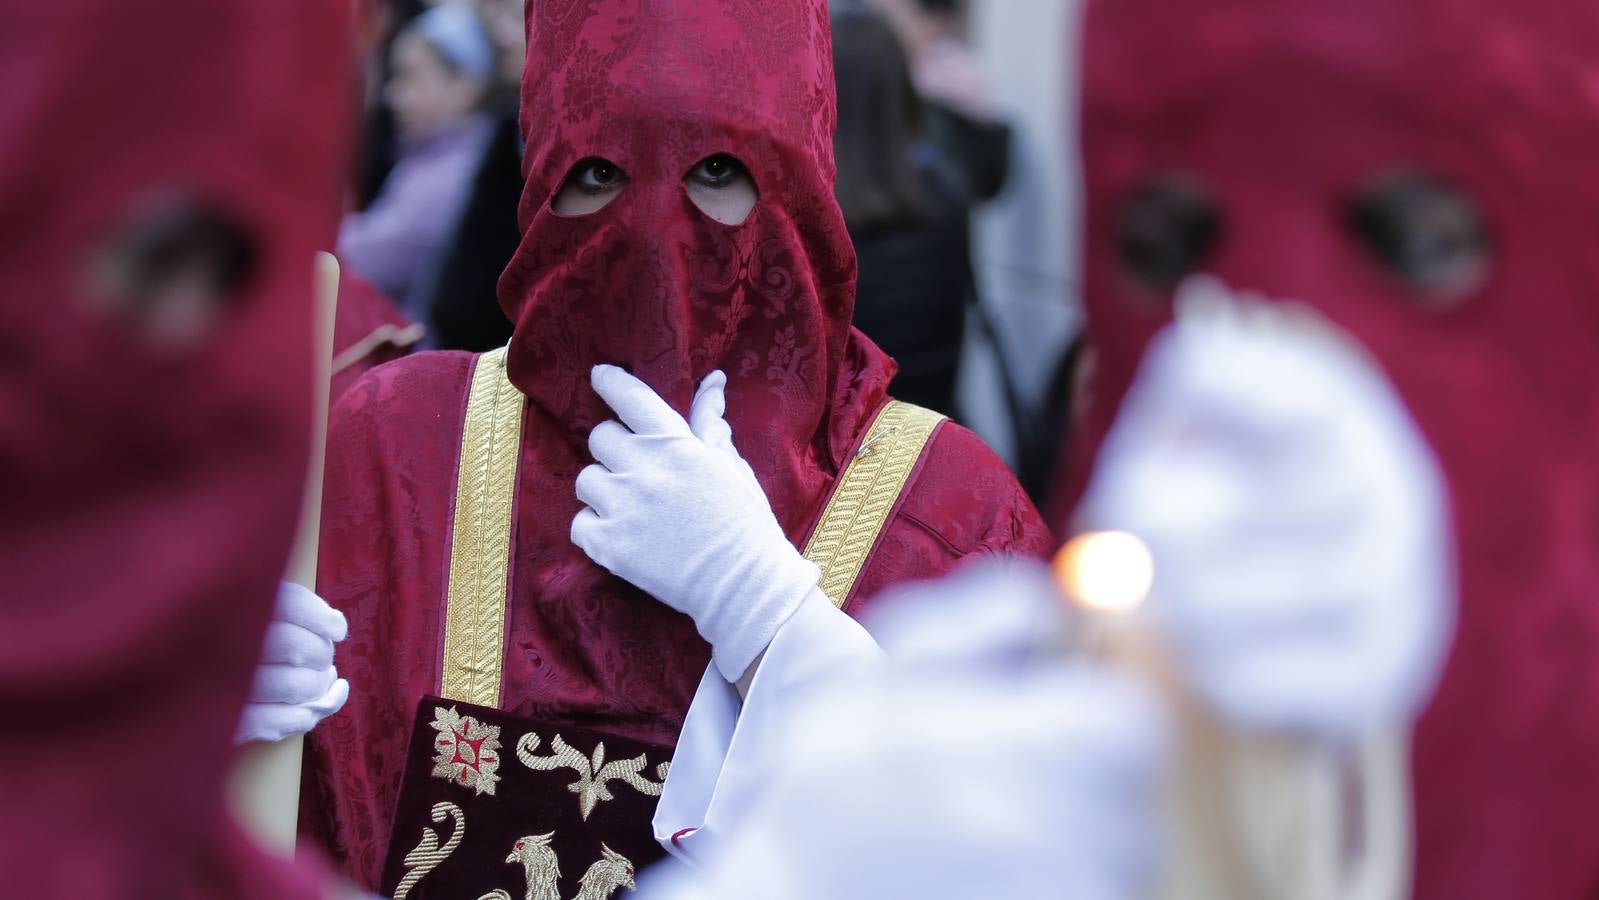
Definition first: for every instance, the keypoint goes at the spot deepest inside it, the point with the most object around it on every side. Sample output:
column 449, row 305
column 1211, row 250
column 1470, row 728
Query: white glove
column 995, row 766
column 1297, row 518
column 673, row 509
column 296, row 685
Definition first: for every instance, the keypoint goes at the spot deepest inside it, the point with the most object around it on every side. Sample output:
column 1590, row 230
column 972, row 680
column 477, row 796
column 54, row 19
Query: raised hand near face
column 672, row 508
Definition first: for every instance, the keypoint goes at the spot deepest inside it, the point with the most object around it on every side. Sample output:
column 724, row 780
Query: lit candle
column 1105, row 571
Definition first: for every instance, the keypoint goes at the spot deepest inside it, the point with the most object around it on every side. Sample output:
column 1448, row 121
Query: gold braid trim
column 866, row 493
column 480, row 548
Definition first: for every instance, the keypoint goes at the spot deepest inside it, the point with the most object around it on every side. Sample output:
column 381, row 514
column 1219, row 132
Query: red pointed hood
column 652, row 283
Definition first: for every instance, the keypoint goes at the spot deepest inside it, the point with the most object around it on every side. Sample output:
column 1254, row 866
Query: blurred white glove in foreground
column 1297, row 518
column 984, row 762
column 673, row 509
column 296, row 685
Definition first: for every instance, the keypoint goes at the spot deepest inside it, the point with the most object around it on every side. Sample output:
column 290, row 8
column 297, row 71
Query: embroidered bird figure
column 539, row 865
column 610, row 873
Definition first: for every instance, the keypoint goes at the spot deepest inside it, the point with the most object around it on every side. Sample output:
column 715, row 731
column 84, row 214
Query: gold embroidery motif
column 467, row 751
column 594, row 775
column 427, row 854
column 610, row 873
column 866, row 493
column 540, row 866
column 480, row 546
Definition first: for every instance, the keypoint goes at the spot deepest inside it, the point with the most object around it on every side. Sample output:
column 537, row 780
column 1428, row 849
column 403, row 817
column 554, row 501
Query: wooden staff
column 266, row 785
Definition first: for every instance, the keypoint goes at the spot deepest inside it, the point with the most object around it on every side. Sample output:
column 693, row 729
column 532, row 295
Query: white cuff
column 727, row 755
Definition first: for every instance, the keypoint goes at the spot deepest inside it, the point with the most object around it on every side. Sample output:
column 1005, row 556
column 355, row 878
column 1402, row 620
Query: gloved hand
column 673, row 509
column 296, row 685
column 1297, row 518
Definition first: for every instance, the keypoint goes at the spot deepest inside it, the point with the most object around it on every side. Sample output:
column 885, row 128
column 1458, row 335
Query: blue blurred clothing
column 394, row 242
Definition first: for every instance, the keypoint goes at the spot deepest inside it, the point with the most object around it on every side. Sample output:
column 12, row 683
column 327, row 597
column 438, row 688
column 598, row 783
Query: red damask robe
column 582, row 647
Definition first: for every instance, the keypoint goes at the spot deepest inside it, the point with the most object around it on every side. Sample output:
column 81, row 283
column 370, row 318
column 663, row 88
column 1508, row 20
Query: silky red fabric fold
column 152, row 486
column 1282, row 111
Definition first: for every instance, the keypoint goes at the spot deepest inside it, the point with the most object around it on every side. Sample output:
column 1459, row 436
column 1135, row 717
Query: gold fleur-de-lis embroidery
column 594, row 774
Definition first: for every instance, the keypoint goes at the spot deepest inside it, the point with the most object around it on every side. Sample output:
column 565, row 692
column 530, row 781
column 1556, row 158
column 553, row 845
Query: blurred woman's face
column 505, row 22
column 425, row 94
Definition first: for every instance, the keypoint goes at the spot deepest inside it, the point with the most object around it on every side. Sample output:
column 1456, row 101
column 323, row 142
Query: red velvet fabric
column 368, row 330
column 151, row 490
column 650, row 283
column 525, row 802
column 1282, row 110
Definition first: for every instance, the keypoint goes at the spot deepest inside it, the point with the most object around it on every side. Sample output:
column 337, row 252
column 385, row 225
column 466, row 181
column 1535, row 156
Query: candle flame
column 1109, row 571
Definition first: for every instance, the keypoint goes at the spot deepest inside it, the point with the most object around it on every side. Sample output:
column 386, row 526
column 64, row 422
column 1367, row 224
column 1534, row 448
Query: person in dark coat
column 907, row 207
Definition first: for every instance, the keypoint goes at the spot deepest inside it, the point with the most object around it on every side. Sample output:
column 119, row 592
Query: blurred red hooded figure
column 168, row 170
column 1421, row 173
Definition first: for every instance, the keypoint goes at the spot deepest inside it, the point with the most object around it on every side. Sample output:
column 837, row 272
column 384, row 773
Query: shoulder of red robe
column 965, row 495
column 432, row 382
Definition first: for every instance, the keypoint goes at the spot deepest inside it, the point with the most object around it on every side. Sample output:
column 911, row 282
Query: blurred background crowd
column 953, row 159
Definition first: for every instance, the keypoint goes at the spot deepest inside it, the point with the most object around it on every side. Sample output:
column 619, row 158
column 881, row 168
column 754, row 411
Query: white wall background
column 1026, row 240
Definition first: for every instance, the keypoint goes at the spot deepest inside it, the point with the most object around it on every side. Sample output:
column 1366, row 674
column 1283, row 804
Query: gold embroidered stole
column 480, row 542
column 485, row 494
column 866, row 493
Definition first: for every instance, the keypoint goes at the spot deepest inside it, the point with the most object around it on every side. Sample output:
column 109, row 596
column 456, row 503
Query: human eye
column 596, row 176
column 589, row 186
column 722, row 188
column 719, row 171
